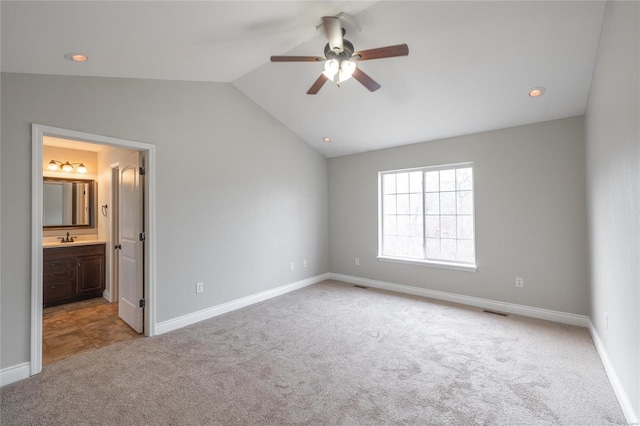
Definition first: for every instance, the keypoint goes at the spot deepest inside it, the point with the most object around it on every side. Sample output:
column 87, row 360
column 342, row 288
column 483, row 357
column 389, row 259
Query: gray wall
column 530, row 215
column 238, row 195
column 613, row 181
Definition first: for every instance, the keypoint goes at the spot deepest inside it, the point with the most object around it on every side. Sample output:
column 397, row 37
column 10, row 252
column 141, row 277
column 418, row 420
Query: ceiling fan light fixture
column 331, row 68
column 343, row 76
column 346, row 70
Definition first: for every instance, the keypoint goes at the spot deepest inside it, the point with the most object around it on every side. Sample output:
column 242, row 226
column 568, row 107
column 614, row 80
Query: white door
column 130, row 260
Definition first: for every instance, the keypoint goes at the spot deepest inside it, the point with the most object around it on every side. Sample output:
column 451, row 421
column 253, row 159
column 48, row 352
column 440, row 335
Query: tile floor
column 80, row 327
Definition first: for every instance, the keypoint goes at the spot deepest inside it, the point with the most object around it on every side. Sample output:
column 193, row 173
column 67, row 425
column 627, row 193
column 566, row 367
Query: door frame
column 38, row 132
column 114, row 218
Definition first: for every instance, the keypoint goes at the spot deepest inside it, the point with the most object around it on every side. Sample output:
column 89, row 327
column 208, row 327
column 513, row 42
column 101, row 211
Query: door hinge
column 143, row 171
column 142, row 236
column 142, row 303
column 117, row 247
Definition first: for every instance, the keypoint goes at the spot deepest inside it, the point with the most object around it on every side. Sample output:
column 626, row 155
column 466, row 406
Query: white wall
column 238, row 195
column 529, row 206
column 613, row 181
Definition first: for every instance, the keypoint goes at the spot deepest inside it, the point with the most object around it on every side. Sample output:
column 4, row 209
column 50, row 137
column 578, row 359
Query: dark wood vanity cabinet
column 73, row 273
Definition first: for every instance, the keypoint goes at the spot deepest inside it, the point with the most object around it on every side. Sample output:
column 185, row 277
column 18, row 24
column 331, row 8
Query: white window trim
column 467, row 267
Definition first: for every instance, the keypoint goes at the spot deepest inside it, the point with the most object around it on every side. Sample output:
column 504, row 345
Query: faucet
column 68, row 239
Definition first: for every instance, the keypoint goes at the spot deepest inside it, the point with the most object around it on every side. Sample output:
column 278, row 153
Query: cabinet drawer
column 58, row 290
column 62, row 274
column 55, row 264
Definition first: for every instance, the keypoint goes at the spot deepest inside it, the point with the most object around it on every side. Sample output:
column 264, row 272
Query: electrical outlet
column 304, row 263
column 357, row 261
column 292, row 266
column 199, row 287
column 519, row 282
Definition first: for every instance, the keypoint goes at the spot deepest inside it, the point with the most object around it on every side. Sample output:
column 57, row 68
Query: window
column 426, row 215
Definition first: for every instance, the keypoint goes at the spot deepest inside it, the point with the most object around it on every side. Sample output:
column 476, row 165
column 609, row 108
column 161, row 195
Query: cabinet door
column 90, row 274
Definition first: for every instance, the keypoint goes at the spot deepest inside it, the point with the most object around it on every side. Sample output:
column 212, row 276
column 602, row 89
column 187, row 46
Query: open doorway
column 84, row 308
column 136, row 160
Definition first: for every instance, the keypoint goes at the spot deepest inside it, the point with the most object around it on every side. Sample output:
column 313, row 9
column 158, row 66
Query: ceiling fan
column 340, row 57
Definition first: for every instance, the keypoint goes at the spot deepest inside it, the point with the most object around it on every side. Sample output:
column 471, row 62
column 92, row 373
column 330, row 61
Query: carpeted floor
column 331, row 354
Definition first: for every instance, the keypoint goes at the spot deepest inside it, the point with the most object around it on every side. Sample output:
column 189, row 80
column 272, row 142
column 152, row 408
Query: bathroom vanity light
column 55, row 165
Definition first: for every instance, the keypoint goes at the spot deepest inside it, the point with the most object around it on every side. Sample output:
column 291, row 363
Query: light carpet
column 331, row 354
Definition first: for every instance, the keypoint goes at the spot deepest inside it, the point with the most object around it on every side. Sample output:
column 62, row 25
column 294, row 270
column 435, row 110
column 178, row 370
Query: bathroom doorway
column 144, row 262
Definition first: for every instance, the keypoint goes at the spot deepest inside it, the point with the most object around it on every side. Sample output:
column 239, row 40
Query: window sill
column 432, row 263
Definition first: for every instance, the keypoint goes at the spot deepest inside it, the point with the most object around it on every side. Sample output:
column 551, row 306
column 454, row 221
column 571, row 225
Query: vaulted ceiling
column 470, row 65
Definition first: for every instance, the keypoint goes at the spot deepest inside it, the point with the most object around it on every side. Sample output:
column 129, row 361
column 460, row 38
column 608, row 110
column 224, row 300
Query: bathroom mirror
column 68, row 203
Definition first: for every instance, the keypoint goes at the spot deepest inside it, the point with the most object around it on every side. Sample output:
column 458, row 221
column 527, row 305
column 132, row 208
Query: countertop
column 57, row 244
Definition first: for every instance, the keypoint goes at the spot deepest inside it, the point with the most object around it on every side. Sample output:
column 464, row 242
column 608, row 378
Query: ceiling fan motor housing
column 340, row 56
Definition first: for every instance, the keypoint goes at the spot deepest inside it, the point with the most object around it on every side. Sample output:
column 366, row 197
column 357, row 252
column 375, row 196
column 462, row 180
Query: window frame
column 438, row 263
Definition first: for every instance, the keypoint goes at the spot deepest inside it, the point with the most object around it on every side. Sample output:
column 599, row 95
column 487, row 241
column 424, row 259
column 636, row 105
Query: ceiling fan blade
column 333, row 31
column 366, row 81
column 317, row 85
column 296, row 59
column 382, row 52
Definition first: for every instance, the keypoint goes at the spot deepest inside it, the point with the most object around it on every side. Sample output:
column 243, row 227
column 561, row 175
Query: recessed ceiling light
column 537, row 91
column 76, row 57
column 327, row 140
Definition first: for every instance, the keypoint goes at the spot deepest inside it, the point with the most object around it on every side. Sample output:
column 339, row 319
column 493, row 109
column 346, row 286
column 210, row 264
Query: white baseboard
column 185, row 320
column 623, row 399
column 15, row 373
column 527, row 311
